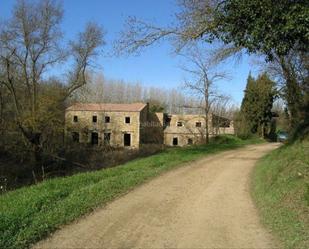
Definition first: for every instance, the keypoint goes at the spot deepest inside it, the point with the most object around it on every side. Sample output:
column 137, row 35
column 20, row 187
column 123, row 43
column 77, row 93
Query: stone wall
column 183, row 139
column 190, row 129
column 117, row 126
column 185, row 130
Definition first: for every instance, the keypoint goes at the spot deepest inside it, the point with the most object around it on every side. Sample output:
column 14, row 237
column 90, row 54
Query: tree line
column 102, row 90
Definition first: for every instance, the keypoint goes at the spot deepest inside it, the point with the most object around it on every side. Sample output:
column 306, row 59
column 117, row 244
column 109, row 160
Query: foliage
column 241, row 126
column 155, row 107
column 257, row 104
column 282, row 115
column 260, row 26
column 263, row 26
column 31, row 45
column 278, row 30
column 293, row 72
column 280, row 189
column 31, row 213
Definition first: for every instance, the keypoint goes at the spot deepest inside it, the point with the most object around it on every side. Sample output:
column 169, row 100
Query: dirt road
column 205, row 204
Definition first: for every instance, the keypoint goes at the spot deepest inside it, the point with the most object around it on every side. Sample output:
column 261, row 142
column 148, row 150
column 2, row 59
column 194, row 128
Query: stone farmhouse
column 107, row 124
column 130, row 125
column 181, row 130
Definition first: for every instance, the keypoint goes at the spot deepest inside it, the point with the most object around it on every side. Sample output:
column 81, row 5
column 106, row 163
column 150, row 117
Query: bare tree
column 221, row 112
column 100, row 89
column 204, row 77
column 193, row 21
column 95, row 91
column 30, row 45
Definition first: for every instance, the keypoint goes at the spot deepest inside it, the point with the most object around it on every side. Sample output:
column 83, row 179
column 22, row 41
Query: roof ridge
column 91, row 106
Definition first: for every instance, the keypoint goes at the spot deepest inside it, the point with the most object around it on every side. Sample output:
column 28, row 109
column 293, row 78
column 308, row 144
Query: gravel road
column 204, row 204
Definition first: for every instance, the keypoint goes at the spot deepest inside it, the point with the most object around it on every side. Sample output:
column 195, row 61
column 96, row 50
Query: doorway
column 94, row 138
column 127, row 139
column 175, row 141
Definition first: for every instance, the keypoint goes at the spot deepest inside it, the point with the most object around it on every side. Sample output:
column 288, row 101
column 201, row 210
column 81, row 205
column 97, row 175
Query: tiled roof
column 133, row 107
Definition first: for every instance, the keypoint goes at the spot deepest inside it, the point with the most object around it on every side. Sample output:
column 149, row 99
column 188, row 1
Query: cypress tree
column 257, row 104
column 248, row 107
column 266, row 95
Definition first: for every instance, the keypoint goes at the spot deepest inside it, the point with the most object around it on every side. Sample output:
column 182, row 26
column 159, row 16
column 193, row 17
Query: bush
column 75, row 159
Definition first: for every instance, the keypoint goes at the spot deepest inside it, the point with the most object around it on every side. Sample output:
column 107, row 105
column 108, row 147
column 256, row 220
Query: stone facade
column 130, row 125
column 116, row 125
column 184, row 130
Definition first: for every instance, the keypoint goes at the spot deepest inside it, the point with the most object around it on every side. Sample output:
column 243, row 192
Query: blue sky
column 157, row 66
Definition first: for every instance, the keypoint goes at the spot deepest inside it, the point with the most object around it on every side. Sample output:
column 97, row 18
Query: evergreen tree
column 267, row 93
column 257, row 104
column 247, row 112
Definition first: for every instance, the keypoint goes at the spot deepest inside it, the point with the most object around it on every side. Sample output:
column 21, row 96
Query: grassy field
column 281, row 190
column 29, row 214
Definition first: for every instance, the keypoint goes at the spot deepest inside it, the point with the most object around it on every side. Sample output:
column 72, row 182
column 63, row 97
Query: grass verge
column 280, row 188
column 31, row 213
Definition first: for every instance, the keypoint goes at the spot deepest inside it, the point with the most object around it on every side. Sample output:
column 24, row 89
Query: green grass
column 31, row 213
column 281, row 190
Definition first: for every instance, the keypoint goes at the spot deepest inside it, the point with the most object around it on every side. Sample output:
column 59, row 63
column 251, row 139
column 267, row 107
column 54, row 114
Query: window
column 179, row 123
column 190, row 141
column 94, row 119
column 107, row 138
column 107, row 119
column 175, row 141
column 75, row 137
column 75, row 119
column 198, row 124
column 127, row 120
column 94, row 138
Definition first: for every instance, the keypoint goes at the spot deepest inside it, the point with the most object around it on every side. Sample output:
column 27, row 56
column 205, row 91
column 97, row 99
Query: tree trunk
column 37, row 158
column 293, row 94
column 207, row 129
column 1, row 114
column 263, row 130
column 206, row 96
column 34, row 139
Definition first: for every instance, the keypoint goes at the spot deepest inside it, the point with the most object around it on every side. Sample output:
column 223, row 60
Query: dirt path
column 205, row 204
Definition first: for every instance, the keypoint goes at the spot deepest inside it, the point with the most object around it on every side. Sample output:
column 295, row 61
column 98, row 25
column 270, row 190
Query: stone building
column 116, row 125
column 181, row 130
column 184, row 129
column 130, row 125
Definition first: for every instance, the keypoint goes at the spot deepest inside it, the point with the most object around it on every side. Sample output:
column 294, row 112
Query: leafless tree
column 204, row 76
column 222, row 111
column 30, row 45
column 99, row 89
column 193, row 20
